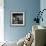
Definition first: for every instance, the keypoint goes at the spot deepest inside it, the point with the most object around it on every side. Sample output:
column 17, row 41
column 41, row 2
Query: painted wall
column 43, row 6
column 30, row 7
column 1, row 21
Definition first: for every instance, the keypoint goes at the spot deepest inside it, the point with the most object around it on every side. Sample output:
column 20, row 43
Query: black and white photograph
column 17, row 18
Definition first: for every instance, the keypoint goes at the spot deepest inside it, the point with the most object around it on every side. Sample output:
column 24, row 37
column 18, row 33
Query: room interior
column 16, row 35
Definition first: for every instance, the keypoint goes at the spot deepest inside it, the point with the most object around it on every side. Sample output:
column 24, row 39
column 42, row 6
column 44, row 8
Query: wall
column 1, row 21
column 30, row 7
column 43, row 6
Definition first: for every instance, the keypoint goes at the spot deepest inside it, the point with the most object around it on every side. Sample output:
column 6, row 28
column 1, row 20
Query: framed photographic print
column 17, row 18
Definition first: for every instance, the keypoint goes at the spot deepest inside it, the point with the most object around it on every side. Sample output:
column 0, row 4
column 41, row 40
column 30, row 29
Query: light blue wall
column 30, row 7
column 43, row 6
